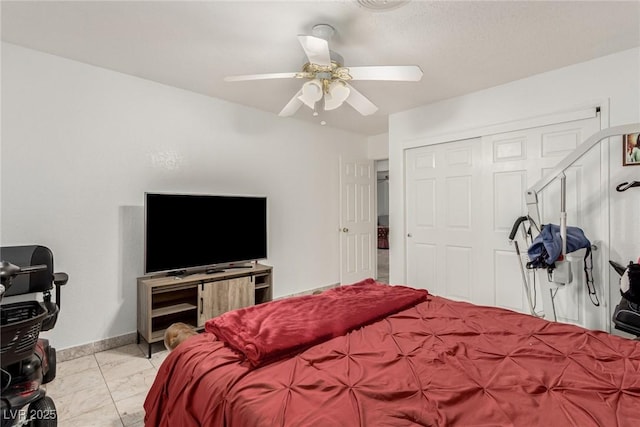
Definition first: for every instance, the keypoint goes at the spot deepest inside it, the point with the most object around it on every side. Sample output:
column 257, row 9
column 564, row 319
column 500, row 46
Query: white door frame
column 375, row 163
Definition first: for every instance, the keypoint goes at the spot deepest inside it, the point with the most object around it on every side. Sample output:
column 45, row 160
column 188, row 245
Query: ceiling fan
column 327, row 79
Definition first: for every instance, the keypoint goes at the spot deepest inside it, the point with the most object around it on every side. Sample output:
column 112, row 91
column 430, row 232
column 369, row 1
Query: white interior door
column 357, row 220
column 459, row 216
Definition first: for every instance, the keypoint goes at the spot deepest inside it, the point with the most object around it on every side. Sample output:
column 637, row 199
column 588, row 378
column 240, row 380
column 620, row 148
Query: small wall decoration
column 631, row 149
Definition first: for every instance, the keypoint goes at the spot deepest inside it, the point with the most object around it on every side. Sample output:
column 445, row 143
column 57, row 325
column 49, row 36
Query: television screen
column 185, row 231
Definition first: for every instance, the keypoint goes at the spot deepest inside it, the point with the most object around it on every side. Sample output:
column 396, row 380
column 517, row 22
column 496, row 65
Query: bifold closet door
column 442, row 239
column 463, row 197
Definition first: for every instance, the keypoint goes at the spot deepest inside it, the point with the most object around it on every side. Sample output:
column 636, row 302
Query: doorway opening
column 382, row 192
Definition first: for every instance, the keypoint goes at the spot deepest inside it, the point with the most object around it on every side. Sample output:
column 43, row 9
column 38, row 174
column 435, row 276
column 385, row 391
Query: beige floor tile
column 131, row 410
column 86, row 388
column 124, row 387
column 123, row 368
column 105, row 416
column 79, row 402
column 106, row 389
column 156, row 347
column 118, row 354
column 71, row 383
column 76, row 365
column 158, row 358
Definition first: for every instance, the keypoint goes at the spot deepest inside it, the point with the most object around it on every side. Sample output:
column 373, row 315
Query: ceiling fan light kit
column 311, row 93
column 327, row 78
column 336, row 95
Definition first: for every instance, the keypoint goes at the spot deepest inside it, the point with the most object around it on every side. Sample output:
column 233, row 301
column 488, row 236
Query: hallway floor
column 383, row 265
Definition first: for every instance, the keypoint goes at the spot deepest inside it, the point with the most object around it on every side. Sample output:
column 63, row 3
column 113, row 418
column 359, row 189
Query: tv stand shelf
column 159, row 312
column 195, row 298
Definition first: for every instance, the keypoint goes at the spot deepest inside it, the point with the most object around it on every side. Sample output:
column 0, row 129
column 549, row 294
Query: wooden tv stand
column 196, row 298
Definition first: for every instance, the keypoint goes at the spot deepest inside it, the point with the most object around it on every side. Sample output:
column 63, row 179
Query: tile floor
column 105, row 389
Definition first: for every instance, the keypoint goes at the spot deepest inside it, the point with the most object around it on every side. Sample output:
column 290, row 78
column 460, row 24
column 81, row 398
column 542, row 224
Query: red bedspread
column 439, row 363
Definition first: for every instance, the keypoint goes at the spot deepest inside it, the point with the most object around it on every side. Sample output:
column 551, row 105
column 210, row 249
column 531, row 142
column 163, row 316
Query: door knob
column 345, row 230
column 408, row 234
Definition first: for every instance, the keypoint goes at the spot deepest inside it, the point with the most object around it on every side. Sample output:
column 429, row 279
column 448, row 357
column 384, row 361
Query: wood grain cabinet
column 196, row 298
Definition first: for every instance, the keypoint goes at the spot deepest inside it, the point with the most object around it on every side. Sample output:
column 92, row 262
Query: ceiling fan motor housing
column 326, row 74
column 323, row 31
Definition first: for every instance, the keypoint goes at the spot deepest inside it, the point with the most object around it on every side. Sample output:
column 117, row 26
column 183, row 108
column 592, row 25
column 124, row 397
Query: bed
column 370, row 354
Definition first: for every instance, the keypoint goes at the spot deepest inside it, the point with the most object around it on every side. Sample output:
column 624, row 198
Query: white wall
column 378, row 147
column 81, row 145
column 612, row 81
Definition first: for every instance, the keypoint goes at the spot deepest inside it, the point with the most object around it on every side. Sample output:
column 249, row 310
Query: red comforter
column 437, row 363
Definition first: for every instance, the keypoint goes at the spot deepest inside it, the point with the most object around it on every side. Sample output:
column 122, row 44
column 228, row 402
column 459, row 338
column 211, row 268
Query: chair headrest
column 25, row 256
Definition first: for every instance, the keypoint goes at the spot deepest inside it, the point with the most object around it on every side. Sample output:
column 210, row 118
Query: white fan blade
column 293, row 106
column 408, row 73
column 360, row 102
column 316, row 49
column 260, row 77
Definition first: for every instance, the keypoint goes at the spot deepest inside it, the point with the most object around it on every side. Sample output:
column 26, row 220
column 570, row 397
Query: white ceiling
column 461, row 46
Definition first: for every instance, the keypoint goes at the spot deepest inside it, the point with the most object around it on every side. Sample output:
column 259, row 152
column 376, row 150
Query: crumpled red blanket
column 265, row 332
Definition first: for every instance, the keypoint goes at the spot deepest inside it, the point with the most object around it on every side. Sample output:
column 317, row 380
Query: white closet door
column 459, row 217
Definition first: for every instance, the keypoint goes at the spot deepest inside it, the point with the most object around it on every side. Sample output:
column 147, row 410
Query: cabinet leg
column 149, row 355
column 137, row 337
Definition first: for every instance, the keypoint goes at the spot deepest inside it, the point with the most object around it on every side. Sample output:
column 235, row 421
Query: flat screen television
column 190, row 231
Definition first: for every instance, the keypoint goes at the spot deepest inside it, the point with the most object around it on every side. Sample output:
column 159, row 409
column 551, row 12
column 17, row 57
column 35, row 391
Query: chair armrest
column 60, row 279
